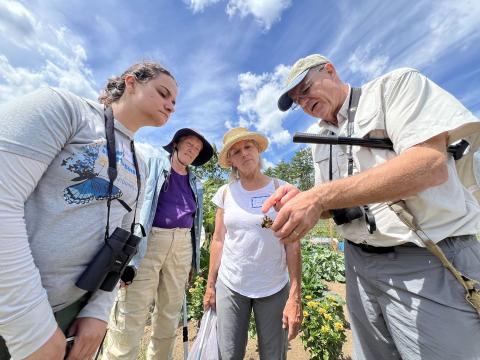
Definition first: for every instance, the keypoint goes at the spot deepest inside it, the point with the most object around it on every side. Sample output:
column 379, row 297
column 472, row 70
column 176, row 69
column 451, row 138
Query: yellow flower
column 312, row 304
column 308, row 297
column 327, row 316
column 331, row 298
column 199, row 278
column 338, row 326
column 191, row 290
column 322, row 311
column 305, row 313
column 324, row 329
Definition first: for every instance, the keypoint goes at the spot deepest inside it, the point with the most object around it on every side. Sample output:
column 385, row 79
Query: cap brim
column 285, row 101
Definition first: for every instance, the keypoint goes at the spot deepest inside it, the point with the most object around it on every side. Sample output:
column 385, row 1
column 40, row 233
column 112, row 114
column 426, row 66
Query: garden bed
column 295, row 350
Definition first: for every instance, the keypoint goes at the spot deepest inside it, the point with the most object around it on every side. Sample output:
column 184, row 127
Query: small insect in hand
column 267, row 222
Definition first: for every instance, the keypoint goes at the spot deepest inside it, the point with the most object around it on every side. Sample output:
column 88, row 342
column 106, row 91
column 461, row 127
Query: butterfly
column 92, row 188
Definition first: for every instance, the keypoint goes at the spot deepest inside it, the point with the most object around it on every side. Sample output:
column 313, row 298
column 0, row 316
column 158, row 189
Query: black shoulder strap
column 112, row 168
column 352, row 110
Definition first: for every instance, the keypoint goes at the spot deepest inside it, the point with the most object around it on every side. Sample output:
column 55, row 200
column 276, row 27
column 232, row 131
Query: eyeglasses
column 306, row 85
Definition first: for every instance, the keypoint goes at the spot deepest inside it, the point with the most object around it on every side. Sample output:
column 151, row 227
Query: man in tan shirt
column 403, row 303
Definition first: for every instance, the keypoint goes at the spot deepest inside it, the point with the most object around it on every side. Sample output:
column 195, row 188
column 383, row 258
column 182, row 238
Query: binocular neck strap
column 112, row 168
column 352, row 110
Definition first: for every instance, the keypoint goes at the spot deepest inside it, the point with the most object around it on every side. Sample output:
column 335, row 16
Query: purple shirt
column 176, row 203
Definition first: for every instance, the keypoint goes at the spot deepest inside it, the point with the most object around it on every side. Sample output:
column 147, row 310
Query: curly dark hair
column 143, row 73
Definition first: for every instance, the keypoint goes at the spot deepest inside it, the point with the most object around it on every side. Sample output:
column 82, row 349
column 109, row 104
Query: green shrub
column 323, row 328
column 323, row 262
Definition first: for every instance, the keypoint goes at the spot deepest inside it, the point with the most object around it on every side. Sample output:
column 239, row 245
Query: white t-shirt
column 409, row 109
column 253, row 260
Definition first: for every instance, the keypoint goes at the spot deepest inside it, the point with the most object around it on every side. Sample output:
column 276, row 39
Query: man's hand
column 297, row 216
column 292, row 317
column 89, row 333
column 280, row 197
column 209, row 298
column 53, row 349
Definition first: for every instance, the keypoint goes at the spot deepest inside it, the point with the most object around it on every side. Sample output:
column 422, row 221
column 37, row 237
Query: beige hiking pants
column 161, row 280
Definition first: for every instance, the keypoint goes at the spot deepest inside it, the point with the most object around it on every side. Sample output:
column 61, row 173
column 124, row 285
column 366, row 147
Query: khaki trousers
column 161, row 280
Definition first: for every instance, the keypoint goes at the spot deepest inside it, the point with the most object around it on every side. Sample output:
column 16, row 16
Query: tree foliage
column 299, row 171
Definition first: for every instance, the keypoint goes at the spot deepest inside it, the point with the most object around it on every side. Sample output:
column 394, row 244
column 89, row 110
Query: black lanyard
column 112, row 169
column 352, row 110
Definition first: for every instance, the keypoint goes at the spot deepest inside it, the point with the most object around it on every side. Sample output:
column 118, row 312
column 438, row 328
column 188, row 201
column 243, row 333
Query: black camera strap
column 352, row 110
column 353, row 101
column 112, row 170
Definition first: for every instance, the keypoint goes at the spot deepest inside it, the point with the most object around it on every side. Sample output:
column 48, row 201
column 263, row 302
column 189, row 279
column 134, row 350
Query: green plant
column 199, row 284
column 322, row 262
column 324, row 228
column 195, row 298
column 323, row 328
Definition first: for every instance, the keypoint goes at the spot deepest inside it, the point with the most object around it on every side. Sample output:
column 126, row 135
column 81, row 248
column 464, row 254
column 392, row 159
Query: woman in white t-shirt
column 249, row 267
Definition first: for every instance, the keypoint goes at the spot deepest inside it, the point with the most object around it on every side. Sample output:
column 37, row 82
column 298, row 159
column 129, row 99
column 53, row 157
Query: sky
column 231, row 57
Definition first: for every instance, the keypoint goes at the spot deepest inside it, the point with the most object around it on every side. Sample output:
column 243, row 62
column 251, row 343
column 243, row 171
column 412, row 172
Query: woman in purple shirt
column 171, row 215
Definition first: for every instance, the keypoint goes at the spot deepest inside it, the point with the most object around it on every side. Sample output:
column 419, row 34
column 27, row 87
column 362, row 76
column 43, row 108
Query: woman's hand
column 209, row 298
column 89, row 333
column 292, row 317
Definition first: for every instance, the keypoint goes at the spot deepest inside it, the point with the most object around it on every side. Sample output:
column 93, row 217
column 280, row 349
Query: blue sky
column 230, row 57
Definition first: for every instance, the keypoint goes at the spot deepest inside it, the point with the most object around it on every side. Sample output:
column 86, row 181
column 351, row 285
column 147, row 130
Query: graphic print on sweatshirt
column 90, row 186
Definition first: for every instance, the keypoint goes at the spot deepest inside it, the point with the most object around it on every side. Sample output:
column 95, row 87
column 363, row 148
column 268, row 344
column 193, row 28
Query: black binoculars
column 346, row 215
column 110, row 263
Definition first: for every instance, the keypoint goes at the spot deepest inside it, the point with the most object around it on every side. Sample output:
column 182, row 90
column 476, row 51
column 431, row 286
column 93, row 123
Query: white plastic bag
column 205, row 346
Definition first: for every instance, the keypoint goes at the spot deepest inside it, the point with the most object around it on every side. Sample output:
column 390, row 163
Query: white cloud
column 199, row 5
column 362, row 62
column 265, row 12
column 61, row 56
column 17, row 24
column 446, row 27
column 450, row 24
column 258, row 103
column 148, row 150
column 267, row 164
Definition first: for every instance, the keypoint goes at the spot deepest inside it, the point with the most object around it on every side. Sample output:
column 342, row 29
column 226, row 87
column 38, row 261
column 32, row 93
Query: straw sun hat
column 235, row 135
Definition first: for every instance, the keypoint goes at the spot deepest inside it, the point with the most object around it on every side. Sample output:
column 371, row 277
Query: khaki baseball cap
column 297, row 73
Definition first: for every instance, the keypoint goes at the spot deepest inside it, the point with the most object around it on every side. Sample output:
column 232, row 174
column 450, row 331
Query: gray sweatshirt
column 53, row 189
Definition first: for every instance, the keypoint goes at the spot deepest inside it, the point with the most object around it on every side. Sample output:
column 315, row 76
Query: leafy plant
column 195, row 298
column 199, row 284
column 322, row 262
column 323, row 328
column 324, row 228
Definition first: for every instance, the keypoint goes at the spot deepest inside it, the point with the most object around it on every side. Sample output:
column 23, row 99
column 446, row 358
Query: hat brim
column 205, row 154
column 261, row 140
column 285, row 101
